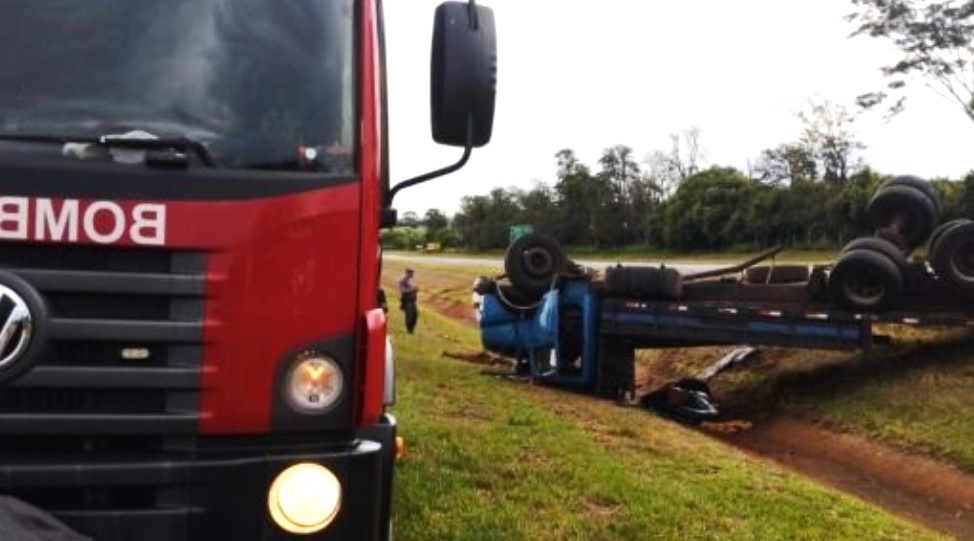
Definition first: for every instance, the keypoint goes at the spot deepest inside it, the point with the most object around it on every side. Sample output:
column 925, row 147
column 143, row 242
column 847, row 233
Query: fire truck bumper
column 216, row 491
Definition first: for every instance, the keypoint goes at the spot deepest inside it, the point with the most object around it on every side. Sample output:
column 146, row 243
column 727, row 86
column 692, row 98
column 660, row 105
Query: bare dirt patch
column 445, row 304
column 927, row 492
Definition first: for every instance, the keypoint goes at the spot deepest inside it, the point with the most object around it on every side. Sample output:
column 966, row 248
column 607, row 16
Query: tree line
column 810, row 192
column 617, row 207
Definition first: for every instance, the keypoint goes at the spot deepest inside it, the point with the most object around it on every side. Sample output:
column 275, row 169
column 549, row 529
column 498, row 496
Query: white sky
column 591, row 74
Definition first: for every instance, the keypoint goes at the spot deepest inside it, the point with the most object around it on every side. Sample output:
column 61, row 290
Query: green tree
column 709, row 211
column 965, row 202
column 844, row 216
column 409, row 218
column 936, row 45
column 483, row 221
column 791, row 162
column 470, row 222
column 448, row 238
column 951, row 198
column 539, row 208
column 435, row 221
column 579, row 200
column 402, row 237
column 618, row 175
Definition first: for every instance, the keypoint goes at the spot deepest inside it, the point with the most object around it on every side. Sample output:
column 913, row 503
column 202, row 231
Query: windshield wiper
column 181, row 144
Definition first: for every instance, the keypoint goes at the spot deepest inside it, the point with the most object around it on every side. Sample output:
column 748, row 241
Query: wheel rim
column 538, row 262
column 864, row 288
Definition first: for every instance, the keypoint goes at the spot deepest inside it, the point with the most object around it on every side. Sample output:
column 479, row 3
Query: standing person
column 407, row 299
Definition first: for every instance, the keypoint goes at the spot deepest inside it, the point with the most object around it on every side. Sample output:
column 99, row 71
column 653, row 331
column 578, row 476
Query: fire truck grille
column 124, row 335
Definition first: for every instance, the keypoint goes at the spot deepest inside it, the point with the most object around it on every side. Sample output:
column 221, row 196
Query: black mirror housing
column 463, row 74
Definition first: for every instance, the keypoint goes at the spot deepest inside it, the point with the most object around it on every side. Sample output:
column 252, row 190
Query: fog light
column 304, row 498
column 314, row 383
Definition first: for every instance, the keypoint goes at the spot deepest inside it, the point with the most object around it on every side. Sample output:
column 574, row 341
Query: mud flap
column 20, row 521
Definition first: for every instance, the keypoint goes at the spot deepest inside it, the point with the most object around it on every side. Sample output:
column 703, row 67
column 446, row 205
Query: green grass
column 921, row 400
column 918, row 396
column 915, row 396
column 491, row 459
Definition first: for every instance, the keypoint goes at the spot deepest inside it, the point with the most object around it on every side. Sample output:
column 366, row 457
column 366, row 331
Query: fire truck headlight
column 313, row 384
column 305, row 498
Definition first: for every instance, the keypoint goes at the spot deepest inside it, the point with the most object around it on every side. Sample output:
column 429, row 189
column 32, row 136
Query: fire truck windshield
column 266, row 84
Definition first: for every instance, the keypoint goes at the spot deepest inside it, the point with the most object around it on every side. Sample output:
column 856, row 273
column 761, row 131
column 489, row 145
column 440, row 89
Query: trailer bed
column 768, row 314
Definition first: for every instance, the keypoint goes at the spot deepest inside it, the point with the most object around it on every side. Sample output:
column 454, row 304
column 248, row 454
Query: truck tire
column 643, row 282
column 920, row 184
column 952, row 258
column 878, row 245
column 532, row 262
column 903, row 214
column 866, row 281
column 782, row 274
column 943, row 228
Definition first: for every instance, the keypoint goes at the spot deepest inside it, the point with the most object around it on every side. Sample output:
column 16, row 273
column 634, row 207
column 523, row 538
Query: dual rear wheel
column 869, row 275
column 905, row 211
column 952, row 256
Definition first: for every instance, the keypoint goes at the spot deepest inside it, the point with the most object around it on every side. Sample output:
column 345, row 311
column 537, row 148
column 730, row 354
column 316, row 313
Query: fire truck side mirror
column 463, row 74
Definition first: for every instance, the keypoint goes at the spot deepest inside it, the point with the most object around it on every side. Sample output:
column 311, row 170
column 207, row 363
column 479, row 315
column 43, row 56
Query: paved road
column 684, row 268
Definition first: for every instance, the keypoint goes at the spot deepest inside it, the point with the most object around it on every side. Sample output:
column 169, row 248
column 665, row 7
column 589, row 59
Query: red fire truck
column 191, row 191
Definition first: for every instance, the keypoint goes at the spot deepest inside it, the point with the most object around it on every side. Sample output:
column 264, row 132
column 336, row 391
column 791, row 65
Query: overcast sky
column 587, row 75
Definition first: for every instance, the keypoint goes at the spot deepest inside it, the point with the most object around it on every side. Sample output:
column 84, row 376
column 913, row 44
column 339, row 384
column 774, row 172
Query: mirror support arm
column 472, row 15
column 468, row 148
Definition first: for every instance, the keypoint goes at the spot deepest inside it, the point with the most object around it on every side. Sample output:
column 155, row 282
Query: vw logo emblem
column 16, row 327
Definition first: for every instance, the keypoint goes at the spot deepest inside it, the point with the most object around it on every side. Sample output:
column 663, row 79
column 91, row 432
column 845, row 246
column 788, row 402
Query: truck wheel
column 878, row 245
column 920, row 184
column 782, row 274
column 952, row 258
column 903, row 214
column 937, row 233
column 532, row 262
column 866, row 281
column 643, row 282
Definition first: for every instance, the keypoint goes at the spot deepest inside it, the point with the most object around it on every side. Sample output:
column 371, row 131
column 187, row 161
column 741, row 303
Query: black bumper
column 208, row 493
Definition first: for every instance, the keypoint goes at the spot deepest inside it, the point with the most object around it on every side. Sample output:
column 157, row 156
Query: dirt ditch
column 917, row 488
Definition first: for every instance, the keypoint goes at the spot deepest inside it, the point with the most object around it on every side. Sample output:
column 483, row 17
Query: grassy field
column 917, row 396
column 492, row 459
column 920, row 400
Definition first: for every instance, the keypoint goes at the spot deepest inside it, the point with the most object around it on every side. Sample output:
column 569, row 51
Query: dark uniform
column 407, row 300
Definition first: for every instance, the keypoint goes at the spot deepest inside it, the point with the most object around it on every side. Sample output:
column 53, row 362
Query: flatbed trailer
column 581, row 335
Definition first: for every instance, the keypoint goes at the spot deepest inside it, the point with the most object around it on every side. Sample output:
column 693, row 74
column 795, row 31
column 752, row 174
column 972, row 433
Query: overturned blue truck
column 578, row 327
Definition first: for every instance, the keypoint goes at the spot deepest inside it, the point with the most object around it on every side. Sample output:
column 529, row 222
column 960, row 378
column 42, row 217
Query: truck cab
column 190, row 199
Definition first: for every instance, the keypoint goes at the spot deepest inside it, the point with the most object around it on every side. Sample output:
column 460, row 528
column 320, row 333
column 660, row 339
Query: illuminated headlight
column 304, row 498
column 313, row 384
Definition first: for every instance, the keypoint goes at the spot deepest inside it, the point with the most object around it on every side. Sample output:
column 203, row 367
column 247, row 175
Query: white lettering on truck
column 102, row 222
